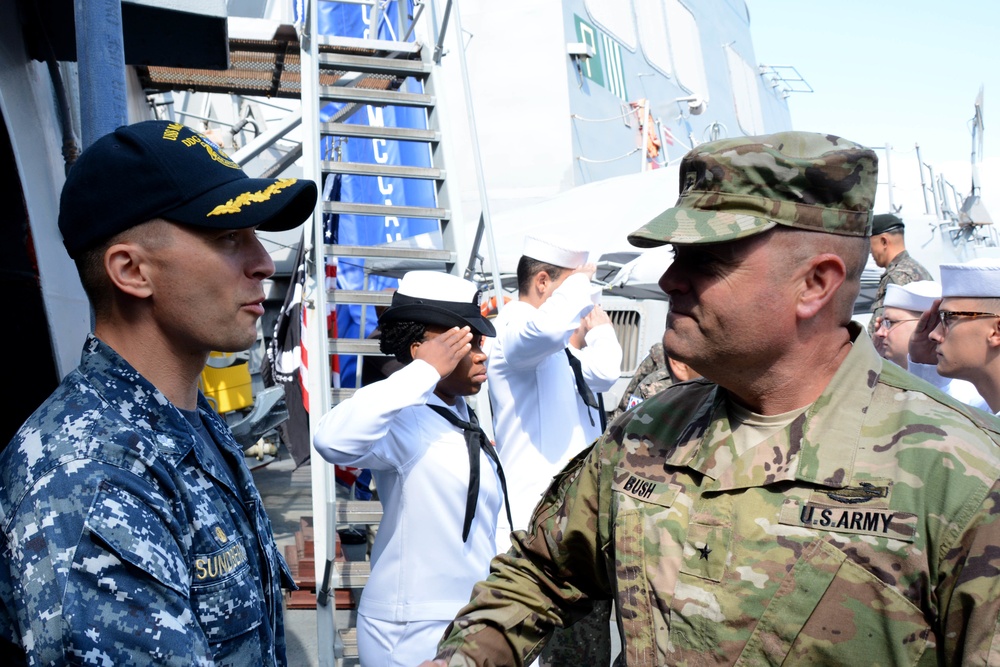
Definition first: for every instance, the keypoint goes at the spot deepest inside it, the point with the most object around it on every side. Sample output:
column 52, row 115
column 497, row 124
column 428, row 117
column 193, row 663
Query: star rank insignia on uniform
column 704, row 551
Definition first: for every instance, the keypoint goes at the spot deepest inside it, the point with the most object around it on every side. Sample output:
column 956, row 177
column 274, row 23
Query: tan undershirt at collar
column 750, row 429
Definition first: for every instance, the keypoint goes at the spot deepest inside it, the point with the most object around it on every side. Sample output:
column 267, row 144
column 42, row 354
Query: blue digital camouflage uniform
column 123, row 543
column 867, row 532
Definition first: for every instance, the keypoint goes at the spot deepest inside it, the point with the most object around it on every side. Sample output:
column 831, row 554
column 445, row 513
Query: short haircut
column 528, row 268
column 90, row 263
column 395, row 338
column 90, row 267
column 853, row 250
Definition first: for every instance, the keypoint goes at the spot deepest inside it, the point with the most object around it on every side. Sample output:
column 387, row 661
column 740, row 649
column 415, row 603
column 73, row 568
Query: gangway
column 363, row 74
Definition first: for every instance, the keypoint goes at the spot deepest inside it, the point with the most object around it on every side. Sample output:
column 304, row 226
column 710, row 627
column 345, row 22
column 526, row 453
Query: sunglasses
column 948, row 317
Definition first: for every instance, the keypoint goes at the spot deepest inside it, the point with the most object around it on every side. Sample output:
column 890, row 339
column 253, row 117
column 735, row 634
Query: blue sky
column 897, row 72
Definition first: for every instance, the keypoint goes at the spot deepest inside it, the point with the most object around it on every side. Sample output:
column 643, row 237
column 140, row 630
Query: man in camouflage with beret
column 888, row 246
column 806, row 502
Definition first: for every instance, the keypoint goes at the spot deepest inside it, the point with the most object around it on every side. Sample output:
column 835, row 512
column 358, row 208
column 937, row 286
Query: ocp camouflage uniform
column 865, row 532
column 120, row 531
column 651, row 376
column 902, row 270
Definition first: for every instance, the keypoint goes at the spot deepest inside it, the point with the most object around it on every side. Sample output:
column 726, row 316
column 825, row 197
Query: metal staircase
column 361, row 73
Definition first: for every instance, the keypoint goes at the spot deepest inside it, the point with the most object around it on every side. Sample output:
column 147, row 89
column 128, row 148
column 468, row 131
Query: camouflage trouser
column 586, row 643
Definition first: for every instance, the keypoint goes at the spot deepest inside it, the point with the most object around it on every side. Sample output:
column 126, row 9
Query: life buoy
column 488, row 308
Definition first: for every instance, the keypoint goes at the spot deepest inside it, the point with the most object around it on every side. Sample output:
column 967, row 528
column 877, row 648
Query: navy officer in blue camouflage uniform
column 133, row 533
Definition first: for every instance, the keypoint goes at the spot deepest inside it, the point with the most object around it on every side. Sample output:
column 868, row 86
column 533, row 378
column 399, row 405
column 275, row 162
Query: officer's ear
column 126, row 266
column 821, row 278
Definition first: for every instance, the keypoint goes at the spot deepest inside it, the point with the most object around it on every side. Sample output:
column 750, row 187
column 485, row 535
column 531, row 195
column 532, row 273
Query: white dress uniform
column 540, row 421
column 960, row 390
column 422, row 571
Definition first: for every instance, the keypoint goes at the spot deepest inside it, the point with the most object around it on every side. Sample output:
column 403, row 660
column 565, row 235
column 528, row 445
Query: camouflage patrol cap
column 734, row 188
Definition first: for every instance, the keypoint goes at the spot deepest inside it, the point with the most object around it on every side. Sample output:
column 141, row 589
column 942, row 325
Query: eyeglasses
column 889, row 324
column 949, row 316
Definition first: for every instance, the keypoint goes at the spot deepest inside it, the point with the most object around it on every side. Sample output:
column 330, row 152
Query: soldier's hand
column 589, row 269
column 578, row 339
column 922, row 349
column 445, row 350
column 433, row 663
column 596, row 318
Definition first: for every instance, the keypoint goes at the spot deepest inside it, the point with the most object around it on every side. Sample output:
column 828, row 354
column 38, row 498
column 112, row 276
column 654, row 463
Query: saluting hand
column 589, row 269
column 433, row 663
column 595, row 317
column 922, row 349
column 445, row 350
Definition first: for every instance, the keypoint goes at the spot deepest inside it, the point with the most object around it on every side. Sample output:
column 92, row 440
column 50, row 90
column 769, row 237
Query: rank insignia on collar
column 862, row 493
column 703, row 552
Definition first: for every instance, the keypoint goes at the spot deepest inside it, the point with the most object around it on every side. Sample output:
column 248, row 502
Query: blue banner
column 353, row 20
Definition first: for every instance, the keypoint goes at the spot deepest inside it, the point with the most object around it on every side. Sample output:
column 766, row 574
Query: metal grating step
column 349, row 639
column 381, row 210
column 371, row 96
column 340, row 394
column 338, row 44
column 417, row 69
column 373, row 132
column 352, row 573
column 354, row 346
column 359, row 296
column 384, row 252
column 369, row 169
column 359, row 511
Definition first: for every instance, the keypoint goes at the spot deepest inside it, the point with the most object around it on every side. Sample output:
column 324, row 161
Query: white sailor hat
column 433, row 297
column 552, row 252
column 917, row 296
column 979, row 278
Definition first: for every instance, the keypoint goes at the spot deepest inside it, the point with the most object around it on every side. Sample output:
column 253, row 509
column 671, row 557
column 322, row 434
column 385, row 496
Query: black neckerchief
column 475, row 440
column 585, row 393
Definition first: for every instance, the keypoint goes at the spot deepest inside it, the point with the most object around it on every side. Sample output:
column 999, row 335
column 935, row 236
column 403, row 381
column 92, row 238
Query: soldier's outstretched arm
column 547, row 579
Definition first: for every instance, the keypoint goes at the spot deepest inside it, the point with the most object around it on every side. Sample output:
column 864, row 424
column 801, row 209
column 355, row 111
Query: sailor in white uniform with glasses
column 960, row 334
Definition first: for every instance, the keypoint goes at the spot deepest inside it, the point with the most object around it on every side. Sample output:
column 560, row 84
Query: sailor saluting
column 438, row 476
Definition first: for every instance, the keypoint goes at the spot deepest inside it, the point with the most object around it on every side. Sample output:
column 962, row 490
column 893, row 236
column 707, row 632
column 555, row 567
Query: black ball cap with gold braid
column 159, row 169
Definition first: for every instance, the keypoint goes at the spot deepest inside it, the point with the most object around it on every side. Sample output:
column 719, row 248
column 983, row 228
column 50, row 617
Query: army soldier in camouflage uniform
column 807, row 503
column 132, row 530
column 889, row 252
column 653, row 374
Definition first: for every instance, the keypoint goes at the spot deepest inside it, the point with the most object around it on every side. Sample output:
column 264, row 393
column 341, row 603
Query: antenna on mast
column 973, row 211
